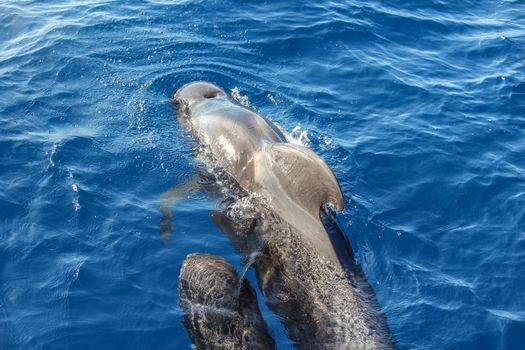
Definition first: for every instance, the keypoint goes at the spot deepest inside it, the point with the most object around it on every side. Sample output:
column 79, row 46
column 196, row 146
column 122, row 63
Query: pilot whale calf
column 307, row 275
column 221, row 312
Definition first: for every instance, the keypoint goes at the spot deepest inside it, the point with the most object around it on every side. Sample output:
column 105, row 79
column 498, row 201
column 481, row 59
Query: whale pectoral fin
column 165, row 225
column 304, row 176
column 171, row 197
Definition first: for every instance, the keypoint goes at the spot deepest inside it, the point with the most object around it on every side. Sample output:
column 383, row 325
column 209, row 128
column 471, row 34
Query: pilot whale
column 221, row 312
column 303, row 263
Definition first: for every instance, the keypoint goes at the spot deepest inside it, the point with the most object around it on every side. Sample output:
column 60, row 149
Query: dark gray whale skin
column 307, row 274
column 220, row 311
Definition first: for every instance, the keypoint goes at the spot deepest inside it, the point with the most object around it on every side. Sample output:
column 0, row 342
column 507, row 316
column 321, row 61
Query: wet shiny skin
column 304, row 281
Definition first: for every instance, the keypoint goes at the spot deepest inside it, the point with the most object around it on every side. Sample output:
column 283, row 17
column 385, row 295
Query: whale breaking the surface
column 276, row 203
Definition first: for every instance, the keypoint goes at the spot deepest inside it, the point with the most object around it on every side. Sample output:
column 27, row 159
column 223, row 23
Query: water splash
column 242, row 99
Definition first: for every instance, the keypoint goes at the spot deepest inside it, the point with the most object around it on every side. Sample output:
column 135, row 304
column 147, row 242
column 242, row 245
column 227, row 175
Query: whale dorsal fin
column 304, row 176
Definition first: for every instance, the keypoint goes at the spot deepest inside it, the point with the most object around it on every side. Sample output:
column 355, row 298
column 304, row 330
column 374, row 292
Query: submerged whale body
column 306, row 273
column 221, row 312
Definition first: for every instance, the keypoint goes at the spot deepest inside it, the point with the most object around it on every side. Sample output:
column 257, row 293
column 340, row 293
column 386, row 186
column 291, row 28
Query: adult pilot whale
column 307, row 276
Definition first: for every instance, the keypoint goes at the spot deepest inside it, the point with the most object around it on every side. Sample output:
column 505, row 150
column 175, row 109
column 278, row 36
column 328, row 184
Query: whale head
column 198, row 91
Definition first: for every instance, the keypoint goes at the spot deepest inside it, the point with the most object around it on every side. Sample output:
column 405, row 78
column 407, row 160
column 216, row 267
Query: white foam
column 236, row 94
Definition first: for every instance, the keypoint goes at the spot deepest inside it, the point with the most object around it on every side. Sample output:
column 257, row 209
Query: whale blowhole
column 211, row 94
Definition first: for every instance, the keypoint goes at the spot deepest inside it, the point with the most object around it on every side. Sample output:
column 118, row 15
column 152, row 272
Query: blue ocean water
column 419, row 108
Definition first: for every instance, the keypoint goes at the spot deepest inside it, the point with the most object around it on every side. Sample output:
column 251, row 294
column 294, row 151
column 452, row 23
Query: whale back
column 220, row 311
column 232, row 132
